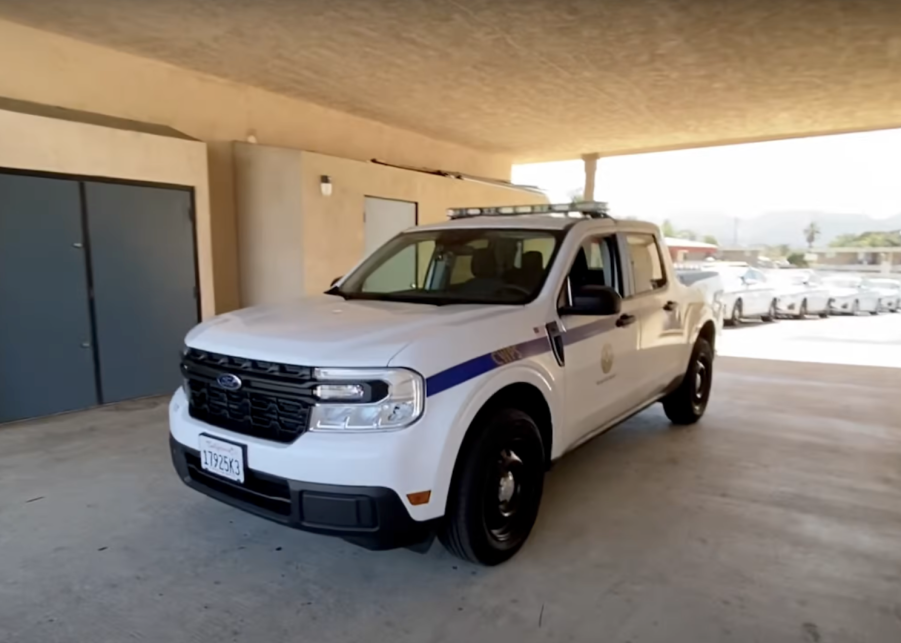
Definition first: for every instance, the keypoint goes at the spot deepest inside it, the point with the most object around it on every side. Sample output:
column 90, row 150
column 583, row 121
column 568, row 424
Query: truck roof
column 536, row 222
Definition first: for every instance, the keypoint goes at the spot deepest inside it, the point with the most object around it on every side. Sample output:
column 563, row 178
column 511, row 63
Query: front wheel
column 877, row 309
column 855, row 307
column 802, row 311
column 825, row 313
column 686, row 405
column 497, row 489
column 771, row 313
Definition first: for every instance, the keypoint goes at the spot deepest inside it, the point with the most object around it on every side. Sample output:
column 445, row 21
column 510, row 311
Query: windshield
column 451, row 266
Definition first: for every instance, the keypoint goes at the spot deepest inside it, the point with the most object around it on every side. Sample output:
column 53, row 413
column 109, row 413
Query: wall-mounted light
column 325, row 185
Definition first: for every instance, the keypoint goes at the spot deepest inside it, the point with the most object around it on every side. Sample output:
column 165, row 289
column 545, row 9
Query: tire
column 825, row 313
column 770, row 317
column 497, row 489
column 735, row 317
column 876, row 310
column 686, row 405
column 855, row 308
column 802, row 311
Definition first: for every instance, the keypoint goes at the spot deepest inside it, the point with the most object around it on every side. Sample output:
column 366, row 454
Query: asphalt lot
column 777, row 518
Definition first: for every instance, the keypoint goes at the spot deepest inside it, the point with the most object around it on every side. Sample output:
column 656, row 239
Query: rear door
column 654, row 300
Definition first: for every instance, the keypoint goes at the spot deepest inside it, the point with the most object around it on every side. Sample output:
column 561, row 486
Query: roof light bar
column 592, row 209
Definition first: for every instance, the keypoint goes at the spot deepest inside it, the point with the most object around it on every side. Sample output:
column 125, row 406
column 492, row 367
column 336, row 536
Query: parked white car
column 429, row 390
column 709, row 282
column 850, row 295
column 799, row 293
column 889, row 291
column 747, row 294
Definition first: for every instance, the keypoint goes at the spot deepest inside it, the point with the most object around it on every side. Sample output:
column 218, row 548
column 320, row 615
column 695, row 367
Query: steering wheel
column 520, row 289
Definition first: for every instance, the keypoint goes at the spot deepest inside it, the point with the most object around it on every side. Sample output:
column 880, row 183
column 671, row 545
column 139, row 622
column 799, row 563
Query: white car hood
column 843, row 292
column 328, row 331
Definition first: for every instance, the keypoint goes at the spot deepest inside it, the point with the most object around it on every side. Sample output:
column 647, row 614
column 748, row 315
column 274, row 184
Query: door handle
column 626, row 320
column 669, row 306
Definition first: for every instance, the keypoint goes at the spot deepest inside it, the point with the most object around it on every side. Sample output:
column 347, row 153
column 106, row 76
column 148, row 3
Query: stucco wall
column 49, row 145
column 56, row 70
column 331, row 237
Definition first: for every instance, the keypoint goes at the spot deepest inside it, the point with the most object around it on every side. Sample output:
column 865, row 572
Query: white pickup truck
column 428, row 391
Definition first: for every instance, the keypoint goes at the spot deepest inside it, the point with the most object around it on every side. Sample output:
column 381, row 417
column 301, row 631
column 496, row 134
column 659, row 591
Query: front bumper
column 372, row 517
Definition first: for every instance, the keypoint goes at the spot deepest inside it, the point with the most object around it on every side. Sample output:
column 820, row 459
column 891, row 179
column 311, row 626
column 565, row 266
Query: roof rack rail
column 589, row 209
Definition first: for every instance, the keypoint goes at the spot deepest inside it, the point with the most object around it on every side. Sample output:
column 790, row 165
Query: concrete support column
column 591, row 168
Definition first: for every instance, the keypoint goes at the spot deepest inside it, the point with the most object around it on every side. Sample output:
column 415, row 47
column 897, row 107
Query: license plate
column 222, row 458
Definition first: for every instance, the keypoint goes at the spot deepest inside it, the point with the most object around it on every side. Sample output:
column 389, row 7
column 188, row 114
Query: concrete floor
column 777, row 518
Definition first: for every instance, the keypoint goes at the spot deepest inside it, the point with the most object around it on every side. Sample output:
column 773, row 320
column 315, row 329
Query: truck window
column 595, row 264
column 647, row 266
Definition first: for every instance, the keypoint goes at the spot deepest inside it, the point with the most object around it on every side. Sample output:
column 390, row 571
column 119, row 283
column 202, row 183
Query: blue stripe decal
column 586, row 331
column 480, row 365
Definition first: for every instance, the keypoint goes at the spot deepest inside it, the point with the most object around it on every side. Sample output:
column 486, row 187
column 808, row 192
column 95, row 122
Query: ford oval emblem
column 229, row 382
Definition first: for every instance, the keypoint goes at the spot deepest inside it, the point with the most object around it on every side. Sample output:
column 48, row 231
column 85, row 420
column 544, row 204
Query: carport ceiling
column 539, row 80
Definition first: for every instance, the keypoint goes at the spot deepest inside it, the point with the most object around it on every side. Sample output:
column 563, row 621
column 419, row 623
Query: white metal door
column 384, row 218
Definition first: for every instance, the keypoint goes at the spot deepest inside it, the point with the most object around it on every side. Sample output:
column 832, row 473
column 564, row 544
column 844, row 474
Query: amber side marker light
column 419, row 498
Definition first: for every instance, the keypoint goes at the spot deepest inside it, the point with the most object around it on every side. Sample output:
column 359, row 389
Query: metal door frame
column 82, row 179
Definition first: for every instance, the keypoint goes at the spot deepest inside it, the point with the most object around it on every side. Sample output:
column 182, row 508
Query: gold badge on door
column 607, row 358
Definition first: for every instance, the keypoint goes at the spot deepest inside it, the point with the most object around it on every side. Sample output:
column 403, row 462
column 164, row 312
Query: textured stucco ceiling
column 537, row 79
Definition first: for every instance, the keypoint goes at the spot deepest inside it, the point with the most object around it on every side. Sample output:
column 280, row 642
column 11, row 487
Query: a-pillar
column 591, row 169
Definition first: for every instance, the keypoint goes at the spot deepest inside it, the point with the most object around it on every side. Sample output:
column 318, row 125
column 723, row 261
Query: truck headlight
column 366, row 399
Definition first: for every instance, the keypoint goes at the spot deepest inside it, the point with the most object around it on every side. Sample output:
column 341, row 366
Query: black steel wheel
column 735, row 317
column 686, row 405
column 497, row 489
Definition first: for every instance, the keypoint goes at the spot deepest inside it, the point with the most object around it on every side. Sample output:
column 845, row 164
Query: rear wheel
column 877, row 309
column 497, row 489
column 771, row 313
column 686, row 405
column 802, row 311
column 825, row 313
column 855, row 307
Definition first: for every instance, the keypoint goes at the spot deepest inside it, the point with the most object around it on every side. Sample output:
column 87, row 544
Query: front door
column 599, row 352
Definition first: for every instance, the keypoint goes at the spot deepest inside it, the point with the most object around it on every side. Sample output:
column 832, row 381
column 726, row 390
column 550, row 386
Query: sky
column 847, row 173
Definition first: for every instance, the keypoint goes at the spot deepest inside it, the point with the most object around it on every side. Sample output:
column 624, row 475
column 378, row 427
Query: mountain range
column 774, row 228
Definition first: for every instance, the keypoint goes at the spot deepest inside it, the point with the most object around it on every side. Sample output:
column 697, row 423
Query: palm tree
column 811, row 232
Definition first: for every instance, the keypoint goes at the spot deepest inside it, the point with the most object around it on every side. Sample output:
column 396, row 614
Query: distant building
column 751, row 256
column 876, row 260
column 686, row 250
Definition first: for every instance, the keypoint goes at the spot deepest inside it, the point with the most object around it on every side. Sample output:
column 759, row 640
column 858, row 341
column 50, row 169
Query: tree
column 811, row 232
column 668, row 229
column 709, row 238
column 783, row 250
column 687, row 234
column 868, row 240
column 797, row 259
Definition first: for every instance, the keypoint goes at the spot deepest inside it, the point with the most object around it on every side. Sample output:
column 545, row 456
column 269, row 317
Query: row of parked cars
column 738, row 292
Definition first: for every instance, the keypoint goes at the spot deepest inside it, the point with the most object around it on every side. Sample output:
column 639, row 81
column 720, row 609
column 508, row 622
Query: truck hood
column 328, row 331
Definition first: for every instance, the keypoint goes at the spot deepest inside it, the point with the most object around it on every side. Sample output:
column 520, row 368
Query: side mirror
column 334, row 281
column 597, row 301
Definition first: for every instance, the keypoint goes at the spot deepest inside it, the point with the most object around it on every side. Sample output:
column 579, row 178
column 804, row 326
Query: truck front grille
column 273, row 401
